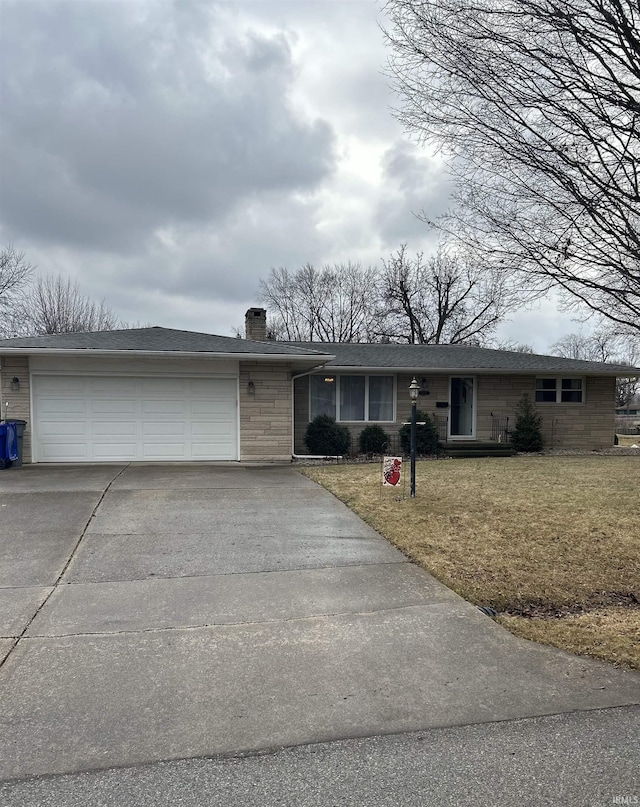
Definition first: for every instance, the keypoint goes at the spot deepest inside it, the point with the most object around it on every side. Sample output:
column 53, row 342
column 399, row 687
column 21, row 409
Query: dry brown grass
column 611, row 633
column 525, row 535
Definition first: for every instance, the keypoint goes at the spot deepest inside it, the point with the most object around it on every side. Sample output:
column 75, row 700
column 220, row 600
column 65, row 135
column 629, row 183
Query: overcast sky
column 168, row 154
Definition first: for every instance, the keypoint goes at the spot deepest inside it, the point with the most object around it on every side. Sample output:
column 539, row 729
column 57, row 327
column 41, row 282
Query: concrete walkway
column 151, row 613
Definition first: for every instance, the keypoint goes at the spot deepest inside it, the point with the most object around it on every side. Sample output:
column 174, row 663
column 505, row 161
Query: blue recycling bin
column 20, row 427
column 8, row 444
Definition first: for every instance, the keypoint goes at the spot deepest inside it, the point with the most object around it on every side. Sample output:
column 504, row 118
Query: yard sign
column 391, row 471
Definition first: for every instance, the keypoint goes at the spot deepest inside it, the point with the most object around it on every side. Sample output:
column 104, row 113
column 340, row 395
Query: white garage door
column 107, row 419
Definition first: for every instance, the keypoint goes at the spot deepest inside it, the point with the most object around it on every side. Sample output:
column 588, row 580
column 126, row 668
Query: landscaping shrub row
column 324, row 437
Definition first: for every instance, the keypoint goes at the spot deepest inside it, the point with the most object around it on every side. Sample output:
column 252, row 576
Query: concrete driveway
column 163, row 612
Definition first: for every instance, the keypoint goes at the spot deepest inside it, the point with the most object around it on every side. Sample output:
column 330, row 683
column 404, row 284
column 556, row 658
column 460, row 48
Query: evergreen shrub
column 326, row 437
column 527, row 433
column 373, row 440
column 426, row 436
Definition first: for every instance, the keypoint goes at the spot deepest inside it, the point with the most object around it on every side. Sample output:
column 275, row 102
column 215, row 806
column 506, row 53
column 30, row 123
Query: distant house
column 156, row 394
column 631, row 409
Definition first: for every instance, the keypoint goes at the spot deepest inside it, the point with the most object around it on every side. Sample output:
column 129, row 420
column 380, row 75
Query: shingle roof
column 155, row 340
column 456, row 358
column 362, row 355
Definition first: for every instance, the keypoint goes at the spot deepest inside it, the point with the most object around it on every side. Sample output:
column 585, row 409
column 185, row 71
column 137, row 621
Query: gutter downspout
column 293, row 418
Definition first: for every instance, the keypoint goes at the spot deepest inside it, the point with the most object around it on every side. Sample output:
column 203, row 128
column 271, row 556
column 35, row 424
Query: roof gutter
column 618, row 372
column 164, row 354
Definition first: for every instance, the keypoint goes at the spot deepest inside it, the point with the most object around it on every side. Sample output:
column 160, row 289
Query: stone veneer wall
column 588, row 426
column 19, row 402
column 585, row 426
column 265, row 415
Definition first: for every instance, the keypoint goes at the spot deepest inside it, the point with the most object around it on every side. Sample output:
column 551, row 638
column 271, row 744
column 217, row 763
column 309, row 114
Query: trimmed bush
column 326, row 437
column 373, row 440
column 527, row 434
column 426, row 436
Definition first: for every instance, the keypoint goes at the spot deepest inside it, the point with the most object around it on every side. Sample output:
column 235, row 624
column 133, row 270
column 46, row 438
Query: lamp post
column 414, row 390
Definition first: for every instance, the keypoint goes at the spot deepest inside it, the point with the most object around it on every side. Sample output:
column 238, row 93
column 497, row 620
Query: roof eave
column 182, row 354
column 633, row 372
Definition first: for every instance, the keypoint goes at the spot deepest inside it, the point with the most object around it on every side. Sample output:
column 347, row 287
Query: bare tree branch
column 15, row 274
column 56, row 305
column 444, row 299
column 536, row 103
column 333, row 304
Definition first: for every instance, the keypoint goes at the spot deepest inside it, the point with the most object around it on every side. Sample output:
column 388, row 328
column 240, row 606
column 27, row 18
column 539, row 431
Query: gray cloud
column 166, row 154
column 415, row 183
column 121, row 118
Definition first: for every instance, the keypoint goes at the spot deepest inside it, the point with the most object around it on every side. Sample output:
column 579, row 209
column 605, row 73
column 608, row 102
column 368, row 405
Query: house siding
column 588, row 426
column 265, row 414
column 19, row 403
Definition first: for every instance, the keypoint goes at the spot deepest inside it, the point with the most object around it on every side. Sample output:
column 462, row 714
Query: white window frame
column 559, row 390
column 366, row 376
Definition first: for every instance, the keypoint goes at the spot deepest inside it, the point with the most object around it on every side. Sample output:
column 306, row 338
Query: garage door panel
column 56, row 431
column 165, row 430
column 164, row 451
column 114, row 387
column 63, row 451
column 114, row 428
column 168, row 409
column 226, row 387
column 65, row 385
column 112, row 452
column 212, row 409
column 163, row 387
column 107, row 419
column 209, row 430
column 62, row 406
column 114, row 406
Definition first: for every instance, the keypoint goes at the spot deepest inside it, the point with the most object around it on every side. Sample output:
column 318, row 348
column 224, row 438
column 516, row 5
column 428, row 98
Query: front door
column 462, row 408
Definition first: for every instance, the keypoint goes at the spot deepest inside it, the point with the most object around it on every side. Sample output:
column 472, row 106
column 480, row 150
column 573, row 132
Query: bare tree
column 441, row 299
column 56, row 305
column 513, row 347
column 332, row 304
column 15, row 274
column 536, row 103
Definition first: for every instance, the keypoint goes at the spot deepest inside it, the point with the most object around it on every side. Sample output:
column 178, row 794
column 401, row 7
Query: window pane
column 571, row 390
column 323, row 396
column 381, row 397
column 352, row 397
column 571, row 383
column 545, row 396
column 545, row 384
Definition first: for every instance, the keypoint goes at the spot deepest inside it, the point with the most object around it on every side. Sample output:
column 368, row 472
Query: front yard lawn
column 551, row 543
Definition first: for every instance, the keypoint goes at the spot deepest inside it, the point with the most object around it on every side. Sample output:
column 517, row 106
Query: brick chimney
column 256, row 324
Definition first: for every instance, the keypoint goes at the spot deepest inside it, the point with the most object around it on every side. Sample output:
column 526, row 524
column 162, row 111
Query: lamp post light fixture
column 414, row 391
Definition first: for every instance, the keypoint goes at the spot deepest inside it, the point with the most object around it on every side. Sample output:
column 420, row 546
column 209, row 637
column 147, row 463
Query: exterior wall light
column 15, row 384
column 251, row 387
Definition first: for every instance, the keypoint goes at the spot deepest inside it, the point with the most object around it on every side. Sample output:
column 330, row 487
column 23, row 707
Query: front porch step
column 472, row 448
